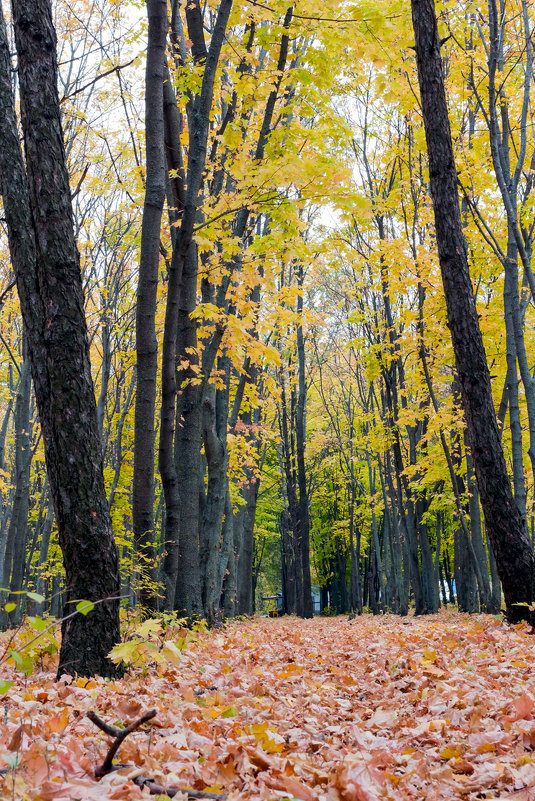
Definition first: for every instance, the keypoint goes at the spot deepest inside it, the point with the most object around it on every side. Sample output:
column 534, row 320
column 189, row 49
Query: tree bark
column 17, row 535
column 504, row 525
column 37, row 203
column 303, row 520
column 146, row 344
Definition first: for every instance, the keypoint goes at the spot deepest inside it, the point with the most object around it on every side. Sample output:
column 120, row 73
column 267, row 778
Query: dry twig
column 142, row 781
column 119, row 735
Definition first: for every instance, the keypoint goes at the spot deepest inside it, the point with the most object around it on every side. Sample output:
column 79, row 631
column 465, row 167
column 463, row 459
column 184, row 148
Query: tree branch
column 118, row 734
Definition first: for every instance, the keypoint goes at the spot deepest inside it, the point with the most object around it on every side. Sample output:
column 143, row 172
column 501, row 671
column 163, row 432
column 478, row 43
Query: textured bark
column 180, row 470
column 146, row 343
column 300, row 424
column 515, row 424
column 293, row 574
column 37, row 205
column 244, row 538
column 215, row 416
column 227, row 564
column 486, row 602
column 465, row 579
column 17, row 534
column 377, row 598
column 400, row 601
column 504, row 525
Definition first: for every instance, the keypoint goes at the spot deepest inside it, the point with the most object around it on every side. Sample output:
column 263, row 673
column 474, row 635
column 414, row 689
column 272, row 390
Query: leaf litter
column 328, row 709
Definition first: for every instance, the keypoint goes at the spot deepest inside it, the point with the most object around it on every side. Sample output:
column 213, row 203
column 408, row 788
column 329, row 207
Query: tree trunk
column 215, row 416
column 228, row 577
column 300, row 424
column 17, row 533
column 514, row 556
column 465, row 579
column 45, row 259
column 146, row 344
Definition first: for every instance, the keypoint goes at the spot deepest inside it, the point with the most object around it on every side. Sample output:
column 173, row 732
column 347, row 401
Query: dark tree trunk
column 465, row 578
column 504, row 525
column 37, row 203
column 17, row 535
column 288, row 564
column 300, row 422
column 399, row 546
column 215, row 416
column 146, row 344
column 355, row 594
column 244, row 545
column 228, row 577
column 486, row 601
column 290, row 550
column 46, row 531
column 496, row 587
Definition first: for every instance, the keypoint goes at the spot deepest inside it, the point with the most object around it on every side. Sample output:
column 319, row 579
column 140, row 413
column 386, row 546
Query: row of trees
column 394, row 502
column 277, row 393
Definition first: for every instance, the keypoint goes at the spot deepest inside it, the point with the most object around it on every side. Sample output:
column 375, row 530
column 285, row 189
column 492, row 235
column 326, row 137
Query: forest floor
column 439, row 707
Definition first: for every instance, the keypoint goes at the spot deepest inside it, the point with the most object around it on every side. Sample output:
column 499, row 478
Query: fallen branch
column 119, row 735
column 157, row 789
column 142, row 781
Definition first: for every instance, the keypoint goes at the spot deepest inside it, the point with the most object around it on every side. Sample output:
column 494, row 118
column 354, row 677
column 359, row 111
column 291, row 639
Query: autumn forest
column 267, row 325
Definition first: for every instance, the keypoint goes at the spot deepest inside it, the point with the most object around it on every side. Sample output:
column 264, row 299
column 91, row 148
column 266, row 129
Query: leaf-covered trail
column 374, row 708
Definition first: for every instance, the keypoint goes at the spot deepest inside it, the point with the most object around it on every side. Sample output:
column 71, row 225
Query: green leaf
column 230, row 712
column 4, row 686
column 84, row 607
column 9, row 607
column 37, row 623
column 124, row 652
column 23, row 662
column 35, row 596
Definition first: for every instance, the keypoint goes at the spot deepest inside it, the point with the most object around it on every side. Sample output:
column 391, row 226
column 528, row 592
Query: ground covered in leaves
column 373, row 708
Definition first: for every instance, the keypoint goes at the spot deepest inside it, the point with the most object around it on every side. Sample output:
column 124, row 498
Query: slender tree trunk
column 465, row 579
column 486, row 601
column 46, row 532
column 244, row 542
column 291, row 551
column 215, row 417
column 187, row 451
column 504, row 524
column 300, row 423
column 515, row 424
column 228, row 576
column 399, row 545
column 146, row 344
column 18, row 526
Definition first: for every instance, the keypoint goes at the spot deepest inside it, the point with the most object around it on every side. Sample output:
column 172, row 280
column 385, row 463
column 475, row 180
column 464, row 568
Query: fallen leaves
column 318, row 710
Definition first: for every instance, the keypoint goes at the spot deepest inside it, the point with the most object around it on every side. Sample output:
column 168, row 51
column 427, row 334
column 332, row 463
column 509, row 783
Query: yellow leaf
column 171, row 652
column 450, row 753
column 57, row 723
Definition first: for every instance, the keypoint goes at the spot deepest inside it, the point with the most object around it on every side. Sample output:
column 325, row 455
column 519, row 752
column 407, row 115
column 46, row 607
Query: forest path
column 374, row 708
